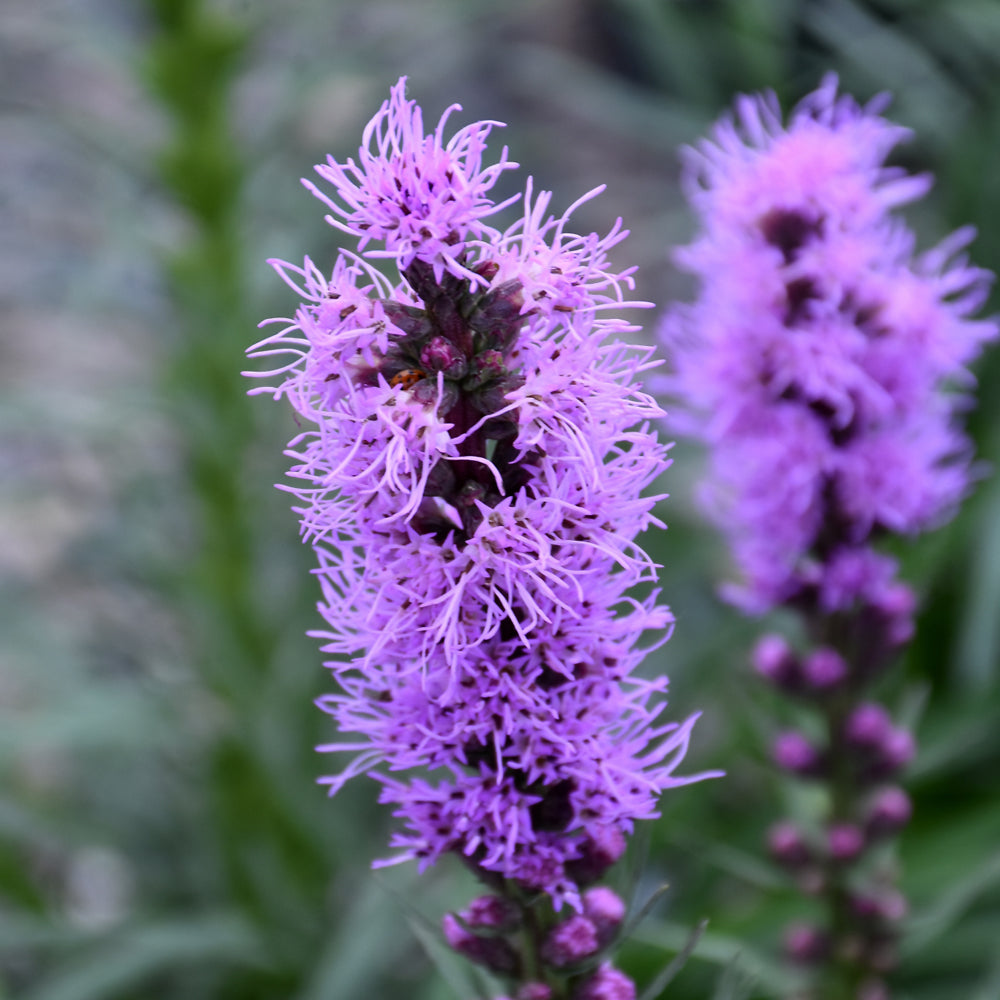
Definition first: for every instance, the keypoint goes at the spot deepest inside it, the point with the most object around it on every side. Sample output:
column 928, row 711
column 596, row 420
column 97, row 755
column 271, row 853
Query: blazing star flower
column 814, row 362
column 472, row 483
column 820, row 365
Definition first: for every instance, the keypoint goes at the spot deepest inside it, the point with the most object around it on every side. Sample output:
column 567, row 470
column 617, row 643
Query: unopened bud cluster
column 490, row 931
column 865, row 740
column 861, row 754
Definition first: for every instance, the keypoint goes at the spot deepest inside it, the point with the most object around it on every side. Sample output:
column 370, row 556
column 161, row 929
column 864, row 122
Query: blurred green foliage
column 160, row 832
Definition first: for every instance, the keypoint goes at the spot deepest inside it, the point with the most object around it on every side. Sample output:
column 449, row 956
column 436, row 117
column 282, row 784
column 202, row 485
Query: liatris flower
column 813, row 361
column 472, row 485
column 821, row 365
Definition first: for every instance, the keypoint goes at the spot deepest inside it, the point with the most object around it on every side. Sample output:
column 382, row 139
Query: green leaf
column 351, row 961
column 933, row 922
column 990, row 988
column 719, row 949
column 977, row 659
column 128, row 959
column 735, row 983
column 663, row 980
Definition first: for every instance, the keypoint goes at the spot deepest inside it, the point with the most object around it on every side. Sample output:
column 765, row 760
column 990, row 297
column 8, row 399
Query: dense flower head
column 820, row 359
column 472, row 481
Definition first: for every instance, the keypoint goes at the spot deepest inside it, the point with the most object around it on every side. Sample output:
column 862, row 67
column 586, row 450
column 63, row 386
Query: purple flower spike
column 825, row 366
column 471, row 474
column 816, row 362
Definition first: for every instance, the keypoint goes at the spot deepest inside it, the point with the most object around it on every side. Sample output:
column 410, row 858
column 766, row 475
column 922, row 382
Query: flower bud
column 896, row 607
column 881, row 906
column 898, row 750
column 867, row 727
column 494, row 396
column 607, row 983
column 428, row 391
column 892, row 906
column 414, row 322
column 487, row 269
column 498, row 315
column 793, row 752
column 486, row 367
column 602, row 848
column 493, row 953
column 845, row 842
column 606, row 910
column 824, row 669
column 787, row 845
column 888, row 812
column 491, row 912
column 774, row 661
column 570, row 941
column 441, row 355
column 805, row 944
column 534, row 991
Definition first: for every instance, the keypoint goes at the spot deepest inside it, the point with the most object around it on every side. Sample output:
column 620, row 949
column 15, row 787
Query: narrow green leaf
column 352, row 960
column 719, row 949
column 932, row 923
column 977, row 659
column 735, row 983
column 663, row 980
column 127, row 960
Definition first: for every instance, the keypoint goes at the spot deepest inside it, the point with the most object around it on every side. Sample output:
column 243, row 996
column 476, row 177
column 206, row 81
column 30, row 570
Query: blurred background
column 161, row 835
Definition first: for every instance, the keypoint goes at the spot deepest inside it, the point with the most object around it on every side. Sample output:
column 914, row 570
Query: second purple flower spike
column 823, row 365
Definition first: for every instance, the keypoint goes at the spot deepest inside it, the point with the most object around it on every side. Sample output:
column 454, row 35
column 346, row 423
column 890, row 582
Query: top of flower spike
column 408, row 383
column 420, row 195
column 832, row 150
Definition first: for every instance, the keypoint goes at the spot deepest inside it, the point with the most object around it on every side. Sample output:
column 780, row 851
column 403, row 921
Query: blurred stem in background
column 270, row 860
